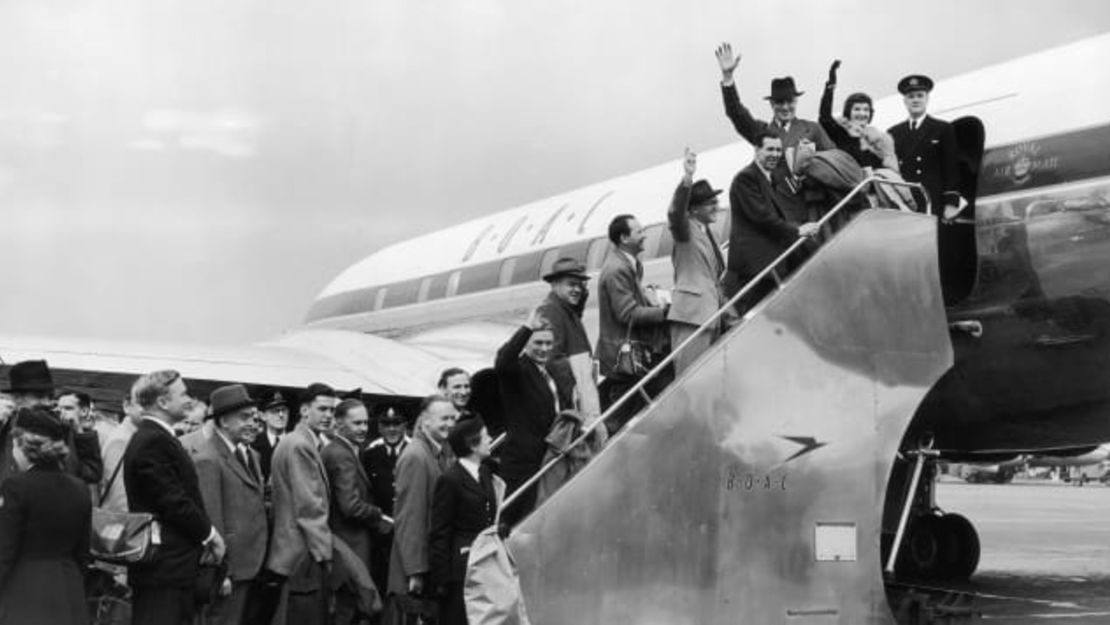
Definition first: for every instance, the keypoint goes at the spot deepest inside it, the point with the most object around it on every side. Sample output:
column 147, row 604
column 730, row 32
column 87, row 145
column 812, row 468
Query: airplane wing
column 343, row 359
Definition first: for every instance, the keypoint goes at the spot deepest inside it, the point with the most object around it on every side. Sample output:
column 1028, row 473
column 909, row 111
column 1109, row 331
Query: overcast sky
column 199, row 169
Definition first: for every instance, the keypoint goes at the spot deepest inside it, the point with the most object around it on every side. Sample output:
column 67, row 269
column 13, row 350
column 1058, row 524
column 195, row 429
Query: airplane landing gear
column 928, row 543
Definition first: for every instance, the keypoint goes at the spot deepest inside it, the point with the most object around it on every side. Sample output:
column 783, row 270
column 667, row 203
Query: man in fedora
column 571, row 359
column 30, row 384
column 783, row 99
column 274, row 411
column 231, row 487
column 698, row 266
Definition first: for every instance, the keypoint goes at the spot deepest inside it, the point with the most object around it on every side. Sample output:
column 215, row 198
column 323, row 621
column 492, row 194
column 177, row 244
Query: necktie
column 551, row 385
column 639, row 270
column 241, row 454
column 913, row 125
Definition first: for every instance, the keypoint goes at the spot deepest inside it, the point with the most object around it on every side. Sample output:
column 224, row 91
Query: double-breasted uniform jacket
column 698, row 265
column 354, row 513
column 463, row 507
column 621, row 302
column 261, row 444
column 418, row 468
column 929, row 155
column 749, row 127
column 529, row 408
column 765, row 219
column 569, row 334
column 379, row 464
column 301, row 533
column 45, row 516
column 233, row 498
column 161, row 479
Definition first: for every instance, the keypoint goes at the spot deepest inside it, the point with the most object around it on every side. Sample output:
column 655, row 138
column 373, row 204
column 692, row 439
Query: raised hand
column 727, row 61
column 832, row 71
column 689, row 165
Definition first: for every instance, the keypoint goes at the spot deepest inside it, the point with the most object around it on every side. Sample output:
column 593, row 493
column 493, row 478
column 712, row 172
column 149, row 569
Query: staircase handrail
column 751, row 284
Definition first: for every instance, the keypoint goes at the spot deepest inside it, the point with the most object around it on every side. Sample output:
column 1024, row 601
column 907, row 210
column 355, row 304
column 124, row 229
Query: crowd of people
column 266, row 519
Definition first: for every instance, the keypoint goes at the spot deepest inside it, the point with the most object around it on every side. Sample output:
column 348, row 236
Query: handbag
column 122, row 537
column 634, row 358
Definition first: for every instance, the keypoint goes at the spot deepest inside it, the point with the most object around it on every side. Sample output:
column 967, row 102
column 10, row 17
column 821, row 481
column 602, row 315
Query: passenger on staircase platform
column 767, row 217
column 632, row 322
column 698, row 266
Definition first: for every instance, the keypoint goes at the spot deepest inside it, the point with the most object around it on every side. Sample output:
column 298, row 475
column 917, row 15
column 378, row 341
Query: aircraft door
column 958, row 254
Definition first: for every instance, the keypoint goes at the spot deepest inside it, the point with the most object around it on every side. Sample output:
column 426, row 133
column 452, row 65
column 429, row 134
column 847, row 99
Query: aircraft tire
column 923, row 554
column 961, row 547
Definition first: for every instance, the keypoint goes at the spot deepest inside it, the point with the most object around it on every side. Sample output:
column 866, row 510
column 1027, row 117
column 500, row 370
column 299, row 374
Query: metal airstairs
column 751, row 490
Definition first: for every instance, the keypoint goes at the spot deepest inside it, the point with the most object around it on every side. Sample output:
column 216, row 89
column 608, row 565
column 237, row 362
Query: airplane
column 798, row 495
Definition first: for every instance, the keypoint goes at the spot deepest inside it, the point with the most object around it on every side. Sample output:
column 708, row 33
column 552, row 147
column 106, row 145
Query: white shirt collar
column 162, row 424
column 920, row 120
column 630, row 257
column 766, row 174
column 471, row 468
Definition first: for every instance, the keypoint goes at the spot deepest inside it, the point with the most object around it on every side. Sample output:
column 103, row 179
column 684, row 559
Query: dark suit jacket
column 160, row 479
column 233, row 498
column 354, row 514
column 929, row 155
column 697, row 265
column 461, row 509
column 529, row 408
column 622, row 301
column 765, row 220
column 749, row 127
column 379, row 467
column 265, row 451
column 570, row 338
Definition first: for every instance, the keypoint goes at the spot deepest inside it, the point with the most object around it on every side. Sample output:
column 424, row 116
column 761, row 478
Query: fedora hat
column 229, row 399
column 30, row 376
column 783, row 89
column 915, row 82
column 702, row 192
column 566, row 267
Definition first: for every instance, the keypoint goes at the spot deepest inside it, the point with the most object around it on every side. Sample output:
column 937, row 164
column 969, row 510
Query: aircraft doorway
column 956, row 243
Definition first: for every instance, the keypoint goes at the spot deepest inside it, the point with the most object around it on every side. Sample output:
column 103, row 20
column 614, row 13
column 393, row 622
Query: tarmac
column 1045, row 550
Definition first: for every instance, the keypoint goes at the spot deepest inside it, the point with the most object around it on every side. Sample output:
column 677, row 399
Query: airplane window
column 549, row 258
column 453, row 283
column 527, row 268
column 402, row 294
column 437, row 287
column 596, row 256
column 422, row 295
column 507, row 267
column 478, row 278
column 379, row 297
column 577, row 251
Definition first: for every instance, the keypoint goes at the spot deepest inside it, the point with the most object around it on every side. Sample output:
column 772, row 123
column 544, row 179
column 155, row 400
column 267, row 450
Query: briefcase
column 123, row 537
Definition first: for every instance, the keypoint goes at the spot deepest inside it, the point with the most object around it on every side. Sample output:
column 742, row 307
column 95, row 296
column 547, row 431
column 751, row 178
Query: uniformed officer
column 926, row 147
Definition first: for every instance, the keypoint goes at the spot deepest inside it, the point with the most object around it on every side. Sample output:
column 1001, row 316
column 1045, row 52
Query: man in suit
column 274, row 411
column 454, row 384
column 570, row 360
column 160, row 479
column 926, row 147
column 465, row 503
column 422, row 462
column 626, row 312
column 766, row 218
column 698, row 266
column 532, row 396
column 354, row 516
column 231, row 486
column 379, row 459
column 784, row 104
column 301, row 543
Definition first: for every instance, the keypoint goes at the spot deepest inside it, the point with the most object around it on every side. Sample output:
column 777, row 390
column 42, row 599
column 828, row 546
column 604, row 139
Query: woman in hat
column 45, row 517
column 853, row 132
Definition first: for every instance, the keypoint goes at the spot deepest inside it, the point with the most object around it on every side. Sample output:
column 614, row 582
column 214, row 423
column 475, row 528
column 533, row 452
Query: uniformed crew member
column 926, row 147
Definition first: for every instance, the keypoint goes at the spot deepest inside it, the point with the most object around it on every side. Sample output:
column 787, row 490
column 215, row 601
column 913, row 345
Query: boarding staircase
column 751, row 489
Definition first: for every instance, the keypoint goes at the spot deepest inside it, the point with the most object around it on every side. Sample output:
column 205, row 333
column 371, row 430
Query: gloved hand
column 832, row 72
